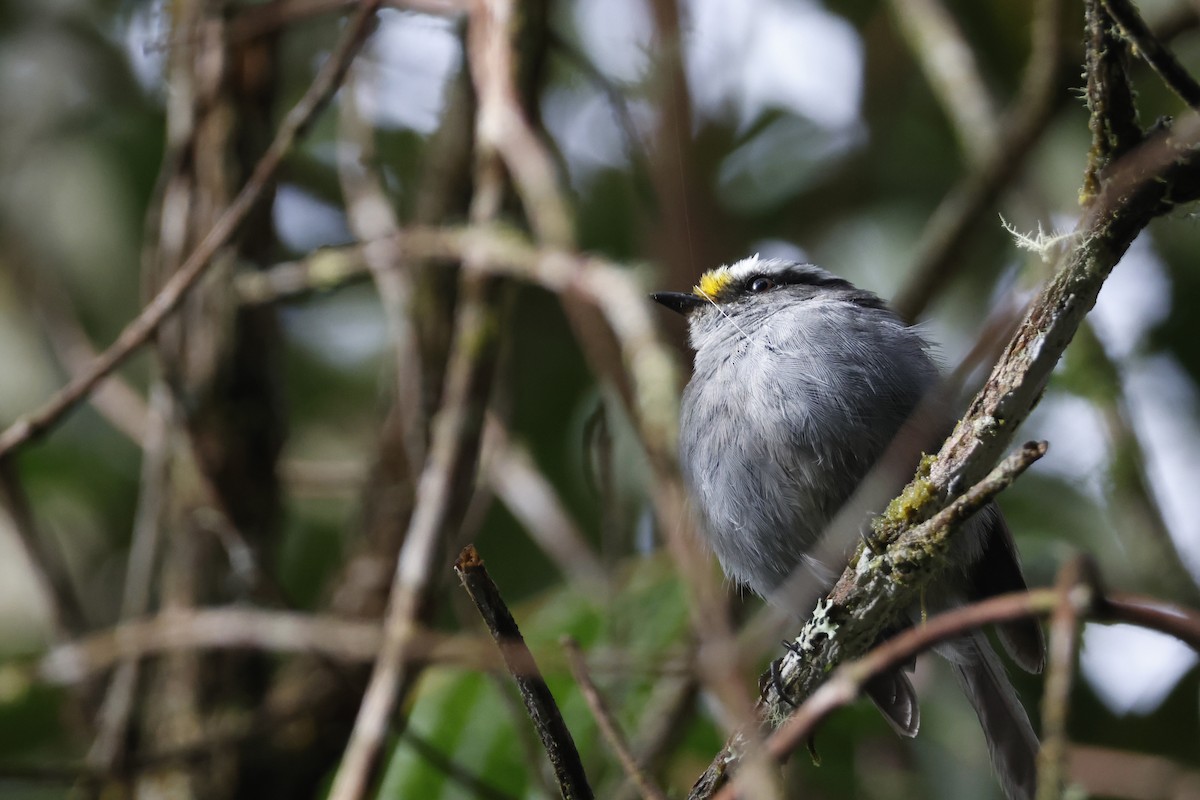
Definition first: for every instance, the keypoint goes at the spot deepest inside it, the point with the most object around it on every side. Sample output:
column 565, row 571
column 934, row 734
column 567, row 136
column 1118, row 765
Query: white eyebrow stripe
column 756, row 265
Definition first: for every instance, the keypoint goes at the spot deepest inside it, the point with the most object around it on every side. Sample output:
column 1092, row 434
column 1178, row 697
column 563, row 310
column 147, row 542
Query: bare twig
column 607, row 724
column 532, row 499
column 1153, row 553
column 504, row 130
column 244, row 629
column 138, row 331
column 446, row 480
column 114, row 713
column 67, row 611
column 374, row 223
column 949, row 65
column 551, row 728
column 1182, row 623
column 1160, row 59
column 1075, row 598
column 664, row 722
column 607, row 286
column 846, row 684
column 324, row 269
column 937, row 253
column 320, row 477
column 1146, row 183
column 117, row 401
column 477, row 786
column 442, row 493
column 1077, row 590
column 867, row 580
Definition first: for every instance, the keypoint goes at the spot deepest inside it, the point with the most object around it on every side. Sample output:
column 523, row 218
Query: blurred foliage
column 81, row 144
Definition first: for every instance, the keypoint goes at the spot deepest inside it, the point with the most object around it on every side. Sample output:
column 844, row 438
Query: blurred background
column 689, row 133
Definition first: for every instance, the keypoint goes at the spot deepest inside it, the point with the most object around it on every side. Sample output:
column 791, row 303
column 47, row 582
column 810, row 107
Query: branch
column 607, row 286
column 373, row 221
column 1182, row 623
column 949, row 65
column 447, row 478
column 117, row 401
column 113, row 717
column 1113, row 119
column 1160, row 59
column 608, row 726
column 141, row 328
column 860, row 608
column 539, row 702
column 1077, row 590
column 872, row 592
column 845, row 685
column 997, row 166
column 532, row 499
column 334, row 637
column 1077, row 596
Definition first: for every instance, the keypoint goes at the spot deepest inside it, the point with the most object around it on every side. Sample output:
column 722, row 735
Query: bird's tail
column 1012, row 744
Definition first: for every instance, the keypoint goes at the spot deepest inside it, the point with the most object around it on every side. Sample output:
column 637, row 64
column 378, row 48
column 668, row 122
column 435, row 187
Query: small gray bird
column 801, row 381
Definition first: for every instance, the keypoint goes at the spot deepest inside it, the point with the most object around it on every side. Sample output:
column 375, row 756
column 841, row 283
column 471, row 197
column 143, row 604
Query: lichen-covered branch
column 1146, row 181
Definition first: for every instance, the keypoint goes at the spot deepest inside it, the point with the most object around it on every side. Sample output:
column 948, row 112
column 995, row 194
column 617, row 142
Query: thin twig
column 1151, row 549
column 138, row 331
column 113, row 717
column 556, row 737
column 72, row 771
column 68, row 614
column 324, row 269
column 607, row 286
column 116, row 401
column 532, row 499
column 1075, row 598
column 938, row 251
column 446, row 481
column 846, row 684
column 1160, row 59
column 609, row 728
column 664, row 722
column 1182, row 623
column 1077, row 589
column 456, row 772
column 868, row 576
column 245, row 629
column 374, row 222
column 949, row 65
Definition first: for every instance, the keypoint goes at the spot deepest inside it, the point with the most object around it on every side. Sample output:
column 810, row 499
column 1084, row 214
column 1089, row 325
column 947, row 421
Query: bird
column 800, row 382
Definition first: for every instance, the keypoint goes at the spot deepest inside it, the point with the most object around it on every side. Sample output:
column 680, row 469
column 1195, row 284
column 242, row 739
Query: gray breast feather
column 781, row 422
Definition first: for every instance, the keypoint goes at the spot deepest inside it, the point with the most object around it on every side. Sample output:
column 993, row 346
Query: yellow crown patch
column 713, row 282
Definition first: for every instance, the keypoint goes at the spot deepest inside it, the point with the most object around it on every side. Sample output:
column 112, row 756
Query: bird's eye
column 760, row 284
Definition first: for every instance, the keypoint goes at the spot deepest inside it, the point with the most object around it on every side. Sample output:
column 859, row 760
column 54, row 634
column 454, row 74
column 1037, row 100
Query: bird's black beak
column 680, row 302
